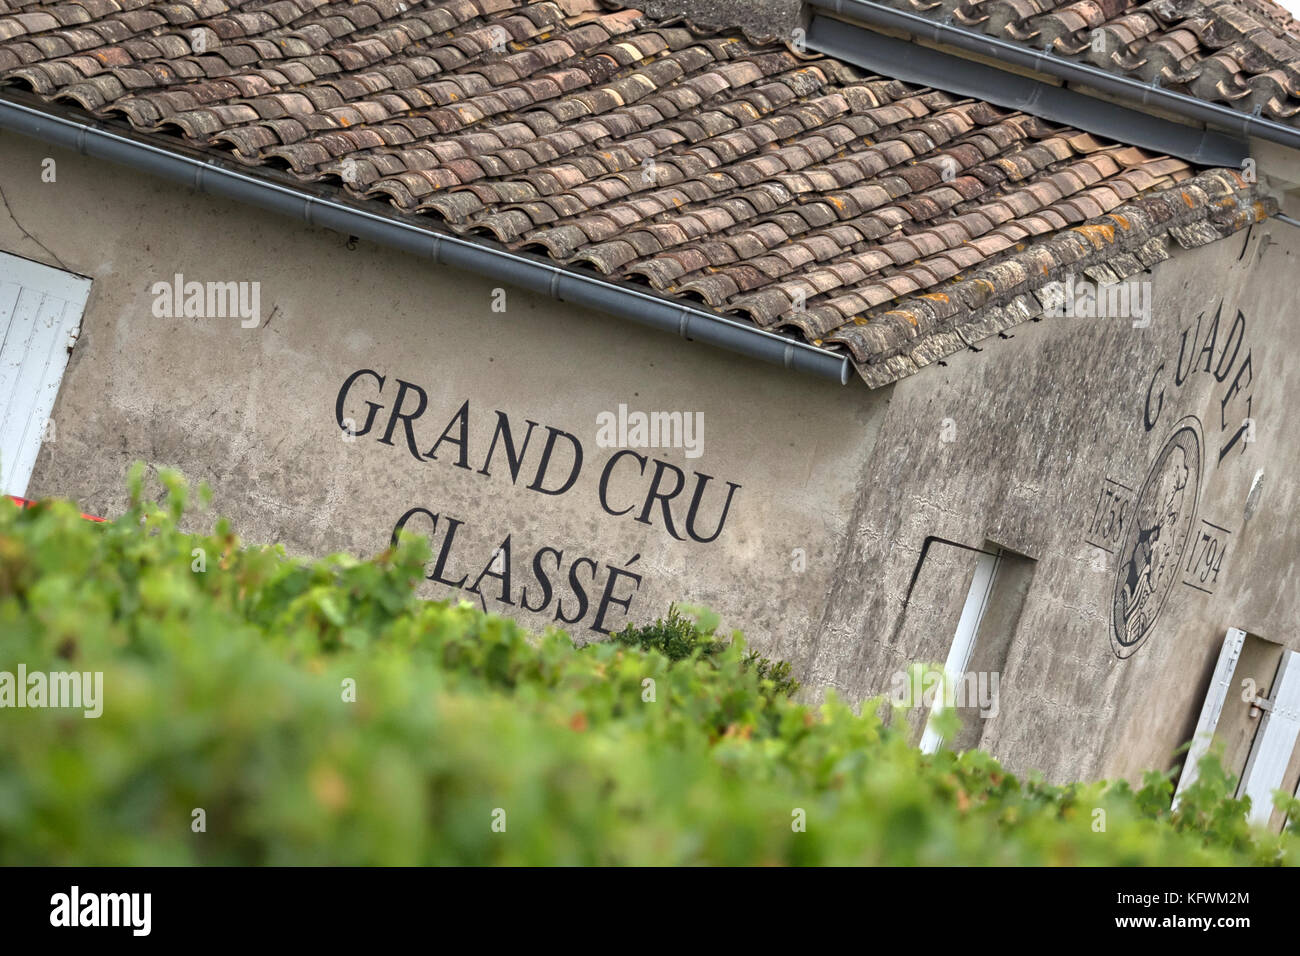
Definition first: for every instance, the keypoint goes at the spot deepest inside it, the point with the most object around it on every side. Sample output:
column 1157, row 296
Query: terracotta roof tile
column 1242, row 53
column 896, row 223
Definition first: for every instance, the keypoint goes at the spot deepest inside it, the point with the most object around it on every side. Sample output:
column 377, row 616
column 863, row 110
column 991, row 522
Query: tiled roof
column 1241, row 53
column 896, row 223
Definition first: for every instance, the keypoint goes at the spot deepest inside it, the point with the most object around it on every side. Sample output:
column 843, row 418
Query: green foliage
column 225, row 689
column 678, row 637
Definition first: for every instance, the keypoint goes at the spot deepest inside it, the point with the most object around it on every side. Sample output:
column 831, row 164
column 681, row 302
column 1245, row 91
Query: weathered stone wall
column 838, row 488
column 1037, row 424
column 252, row 411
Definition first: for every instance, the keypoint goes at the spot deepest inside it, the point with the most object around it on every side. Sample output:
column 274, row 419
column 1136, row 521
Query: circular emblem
column 1160, row 525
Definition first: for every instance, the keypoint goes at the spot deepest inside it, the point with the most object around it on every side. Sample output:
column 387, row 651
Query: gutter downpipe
column 378, row 223
column 1041, row 61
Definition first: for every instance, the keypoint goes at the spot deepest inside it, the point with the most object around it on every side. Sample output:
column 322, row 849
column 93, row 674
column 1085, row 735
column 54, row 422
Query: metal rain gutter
column 1041, row 61
column 927, row 66
column 376, row 222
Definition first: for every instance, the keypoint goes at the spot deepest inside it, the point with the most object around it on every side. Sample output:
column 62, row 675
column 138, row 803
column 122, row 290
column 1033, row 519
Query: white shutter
column 1275, row 741
column 1220, row 686
column 963, row 642
column 40, row 318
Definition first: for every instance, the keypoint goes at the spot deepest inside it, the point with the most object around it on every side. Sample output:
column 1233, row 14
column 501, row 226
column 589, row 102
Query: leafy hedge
column 226, row 672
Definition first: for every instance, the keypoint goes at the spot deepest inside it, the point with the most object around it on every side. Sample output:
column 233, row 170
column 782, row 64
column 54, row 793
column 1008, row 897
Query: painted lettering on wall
column 1151, row 554
column 1201, row 353
column 688, row 506
column 1153, row 531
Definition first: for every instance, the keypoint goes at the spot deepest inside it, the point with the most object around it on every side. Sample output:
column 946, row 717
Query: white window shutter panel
column 40, row 319
column 1274, row 742
column 963, row 642
column 1220, row 687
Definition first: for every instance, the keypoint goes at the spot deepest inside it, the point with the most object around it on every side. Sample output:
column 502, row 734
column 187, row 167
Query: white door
column 1275, row 741
column 1212, row 709
column 40, row 318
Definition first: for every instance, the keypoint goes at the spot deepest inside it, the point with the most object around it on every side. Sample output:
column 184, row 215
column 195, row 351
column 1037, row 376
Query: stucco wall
column 839, row 487
column 251, row 411
column 1037, row 423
